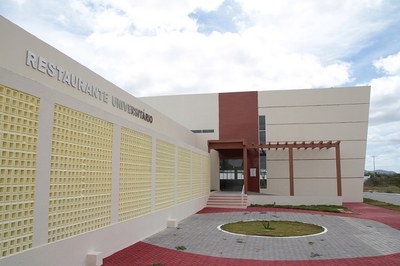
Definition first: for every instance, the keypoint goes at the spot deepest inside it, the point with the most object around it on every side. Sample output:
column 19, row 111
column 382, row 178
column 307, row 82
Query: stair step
column 228, row 196
column 227, row 201
column 226, row 207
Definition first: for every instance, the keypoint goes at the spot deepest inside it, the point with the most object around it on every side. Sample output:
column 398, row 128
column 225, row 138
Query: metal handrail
column 241, row 195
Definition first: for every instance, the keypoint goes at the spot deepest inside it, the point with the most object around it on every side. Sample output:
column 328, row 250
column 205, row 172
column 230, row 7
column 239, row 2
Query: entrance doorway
column 231, row 174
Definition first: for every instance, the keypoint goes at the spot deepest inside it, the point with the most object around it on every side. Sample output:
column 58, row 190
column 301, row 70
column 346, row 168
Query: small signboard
column 253, row 172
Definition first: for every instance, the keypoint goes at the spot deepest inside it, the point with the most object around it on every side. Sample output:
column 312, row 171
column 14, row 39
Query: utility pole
column 373, row 157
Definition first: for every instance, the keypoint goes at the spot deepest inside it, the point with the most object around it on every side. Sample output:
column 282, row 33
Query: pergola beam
column 296, row 145
column 241, row 145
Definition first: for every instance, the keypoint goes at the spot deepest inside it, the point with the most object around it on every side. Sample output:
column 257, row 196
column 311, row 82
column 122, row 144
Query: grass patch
column 384, row 189
column 274, row 228
column 382, row 204
column 322, row 208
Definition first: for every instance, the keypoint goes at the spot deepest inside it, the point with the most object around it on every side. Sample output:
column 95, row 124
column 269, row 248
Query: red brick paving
column 143, row 254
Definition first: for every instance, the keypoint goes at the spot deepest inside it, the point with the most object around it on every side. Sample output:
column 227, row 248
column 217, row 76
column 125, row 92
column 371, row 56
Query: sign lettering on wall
column 46, row 67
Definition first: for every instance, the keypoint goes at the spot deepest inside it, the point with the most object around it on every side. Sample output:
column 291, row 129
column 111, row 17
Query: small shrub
column 392, row 189
column 180, row 248
column 266, row 225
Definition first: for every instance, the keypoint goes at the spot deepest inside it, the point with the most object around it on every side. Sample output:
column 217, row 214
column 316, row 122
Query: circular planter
column 272, row 228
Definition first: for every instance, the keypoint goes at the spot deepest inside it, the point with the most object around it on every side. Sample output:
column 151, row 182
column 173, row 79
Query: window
column 263, row 156
column 262, row 129
column 202, row 130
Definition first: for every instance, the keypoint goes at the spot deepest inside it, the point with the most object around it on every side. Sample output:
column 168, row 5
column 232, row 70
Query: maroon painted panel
column 238, row 119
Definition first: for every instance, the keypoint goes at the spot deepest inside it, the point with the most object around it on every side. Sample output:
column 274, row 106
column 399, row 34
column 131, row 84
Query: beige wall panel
column 314, row 169
column 315, row 114
column 280, row 154
column 277, row 187
column 203, row 109
column 277, row 169
column 309, row 132
column 315, row 187
column 353, row 149
column 314, row 97
column 317, row 154
column 353, row 168
column 352, row 190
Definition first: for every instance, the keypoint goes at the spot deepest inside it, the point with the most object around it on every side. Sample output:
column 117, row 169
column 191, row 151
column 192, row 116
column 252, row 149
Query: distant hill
column 381, row 172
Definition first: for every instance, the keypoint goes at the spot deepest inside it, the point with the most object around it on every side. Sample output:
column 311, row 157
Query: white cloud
column 19, row 2
column 192, row 62
column 385, row 95
column 153, row 47
column 389, row 65
column 384, row 129
column 329, row 29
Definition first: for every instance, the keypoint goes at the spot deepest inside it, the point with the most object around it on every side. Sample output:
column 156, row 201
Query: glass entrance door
column 231, row 174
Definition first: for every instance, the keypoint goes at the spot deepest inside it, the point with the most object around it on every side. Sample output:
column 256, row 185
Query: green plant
column 180, row 247
column 266, row 225
column 313, row 255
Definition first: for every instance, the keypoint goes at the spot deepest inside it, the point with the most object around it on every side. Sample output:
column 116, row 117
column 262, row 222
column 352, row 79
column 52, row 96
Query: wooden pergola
column 290, row 145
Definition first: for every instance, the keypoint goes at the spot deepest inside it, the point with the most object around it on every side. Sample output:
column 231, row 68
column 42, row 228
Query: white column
column 153, row 175
column 176, row 175
column 191, row 175
column 116, row 159
column 43, row 166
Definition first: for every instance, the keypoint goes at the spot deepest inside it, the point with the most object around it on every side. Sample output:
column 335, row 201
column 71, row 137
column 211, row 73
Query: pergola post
column 241, row 145
column 338, row 169
column 291, row 172
column 245, row 170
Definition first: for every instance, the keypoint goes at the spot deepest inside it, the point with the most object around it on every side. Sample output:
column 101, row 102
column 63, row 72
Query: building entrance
column 231, row 174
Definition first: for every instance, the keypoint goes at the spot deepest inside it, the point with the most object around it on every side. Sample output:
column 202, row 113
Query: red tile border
column 147, row 254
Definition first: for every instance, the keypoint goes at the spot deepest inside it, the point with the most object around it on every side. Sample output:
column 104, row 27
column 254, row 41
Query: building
column 85, row 166
column 309, row 144
column 88, row 169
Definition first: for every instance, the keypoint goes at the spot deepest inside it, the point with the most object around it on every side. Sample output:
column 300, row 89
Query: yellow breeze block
column 197, row 177
column 165, row 174
column 81, row 173
column 135, row 181
column 184, row 178
column 19, row 114
column 206, row 175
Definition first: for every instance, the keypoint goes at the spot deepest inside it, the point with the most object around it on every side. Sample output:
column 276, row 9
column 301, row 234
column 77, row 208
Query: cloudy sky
column 164, row 47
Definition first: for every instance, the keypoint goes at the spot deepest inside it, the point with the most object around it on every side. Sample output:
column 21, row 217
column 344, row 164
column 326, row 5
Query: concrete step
column 228, row 196
column 227, row 201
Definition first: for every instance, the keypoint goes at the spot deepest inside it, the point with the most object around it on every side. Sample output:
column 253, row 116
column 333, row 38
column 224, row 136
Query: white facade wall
column 195, row 112
column 114, row 234
column 315, row 115
column 295, row 115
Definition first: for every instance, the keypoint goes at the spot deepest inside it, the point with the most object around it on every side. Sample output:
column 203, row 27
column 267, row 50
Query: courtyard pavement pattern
column 369, row 236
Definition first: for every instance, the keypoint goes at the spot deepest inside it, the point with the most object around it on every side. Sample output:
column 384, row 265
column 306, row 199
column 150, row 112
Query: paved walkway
column 385, row 197
column 369, row 237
